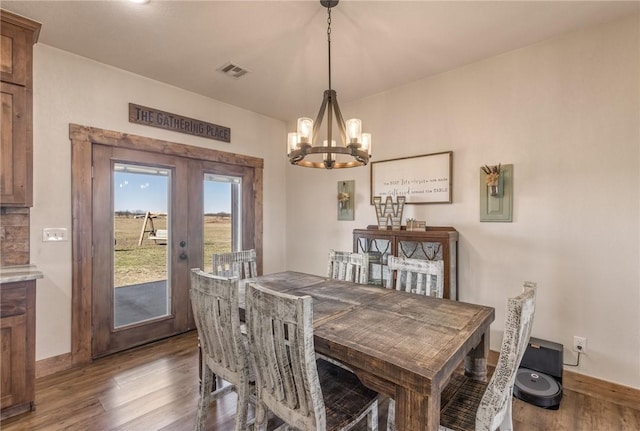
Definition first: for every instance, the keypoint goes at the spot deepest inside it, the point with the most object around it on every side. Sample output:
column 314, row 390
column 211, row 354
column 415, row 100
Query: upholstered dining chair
column 224, row 350
column 307, row 394
column 240, row 264
column 424, row 277
column 344, row 265
column 468, row 404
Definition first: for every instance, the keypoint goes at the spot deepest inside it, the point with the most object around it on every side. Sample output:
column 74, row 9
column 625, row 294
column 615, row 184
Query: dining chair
column 424, row 277
column 240, row 264
column 468, row 404
column 224, row 350
column 344, row 265
column 307, row 394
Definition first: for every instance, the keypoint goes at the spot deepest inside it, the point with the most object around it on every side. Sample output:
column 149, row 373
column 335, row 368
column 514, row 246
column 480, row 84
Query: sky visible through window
column 137, row 192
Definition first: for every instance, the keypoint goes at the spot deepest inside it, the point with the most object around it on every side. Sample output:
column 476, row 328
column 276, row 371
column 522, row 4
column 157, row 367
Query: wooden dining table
column 403, row 345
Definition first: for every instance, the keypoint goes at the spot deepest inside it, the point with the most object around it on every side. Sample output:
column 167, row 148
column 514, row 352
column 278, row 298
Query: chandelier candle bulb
column 292, row 142
column 354, row 130
column 366, row 143
column 305, row 127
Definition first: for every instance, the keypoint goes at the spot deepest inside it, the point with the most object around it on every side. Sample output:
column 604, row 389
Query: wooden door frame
column 82, row 140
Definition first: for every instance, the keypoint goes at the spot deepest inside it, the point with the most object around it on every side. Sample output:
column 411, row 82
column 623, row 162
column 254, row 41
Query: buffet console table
column 434, row 243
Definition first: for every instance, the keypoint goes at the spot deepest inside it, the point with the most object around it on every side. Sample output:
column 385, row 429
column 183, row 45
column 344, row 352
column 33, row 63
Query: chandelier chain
column 329, row 42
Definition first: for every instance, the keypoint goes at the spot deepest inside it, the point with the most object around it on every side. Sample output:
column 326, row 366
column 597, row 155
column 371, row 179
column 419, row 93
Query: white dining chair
column 468, row 404
column 224, row 349
column 307, row 394
column 241, row 264
column 424, row 277
column 344, row 265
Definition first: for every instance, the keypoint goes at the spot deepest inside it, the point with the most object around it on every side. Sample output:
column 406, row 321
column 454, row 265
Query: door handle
column 183, row 256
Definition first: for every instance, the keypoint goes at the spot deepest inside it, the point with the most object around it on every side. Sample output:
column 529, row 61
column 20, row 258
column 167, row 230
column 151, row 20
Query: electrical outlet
column 54, row 234
column 579, row 344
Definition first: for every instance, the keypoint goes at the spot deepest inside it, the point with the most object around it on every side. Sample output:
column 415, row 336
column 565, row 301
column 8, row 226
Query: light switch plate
column 54, row 234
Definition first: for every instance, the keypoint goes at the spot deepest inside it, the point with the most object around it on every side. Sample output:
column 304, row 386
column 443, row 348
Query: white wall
column 73, row 89
column 566, row 114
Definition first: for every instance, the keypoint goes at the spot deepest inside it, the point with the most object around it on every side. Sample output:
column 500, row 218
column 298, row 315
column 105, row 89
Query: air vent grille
column 233, row 70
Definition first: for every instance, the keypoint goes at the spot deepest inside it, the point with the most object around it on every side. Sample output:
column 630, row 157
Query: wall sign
column 421, row 179
column 177, row 123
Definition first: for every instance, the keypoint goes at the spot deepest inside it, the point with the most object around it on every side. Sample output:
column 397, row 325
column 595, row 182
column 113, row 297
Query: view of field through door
column 221, row 228
column 155, row 217
column 141, row 285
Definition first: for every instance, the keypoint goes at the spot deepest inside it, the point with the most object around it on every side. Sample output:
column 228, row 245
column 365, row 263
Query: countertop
column 11, row 274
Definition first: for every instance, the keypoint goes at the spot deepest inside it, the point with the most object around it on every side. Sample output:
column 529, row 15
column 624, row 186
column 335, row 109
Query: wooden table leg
column 475, row 363
column 417, row 411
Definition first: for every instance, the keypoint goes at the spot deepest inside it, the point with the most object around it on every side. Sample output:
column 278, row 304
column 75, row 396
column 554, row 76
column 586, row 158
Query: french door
column 154, row 217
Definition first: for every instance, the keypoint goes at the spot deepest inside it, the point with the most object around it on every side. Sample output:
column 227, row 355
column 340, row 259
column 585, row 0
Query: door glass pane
column 222, row 212
column 141, row 219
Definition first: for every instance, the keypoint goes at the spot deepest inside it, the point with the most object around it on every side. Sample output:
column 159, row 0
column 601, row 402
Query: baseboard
column 614, row 392
column 609, row 391
column 53, row 365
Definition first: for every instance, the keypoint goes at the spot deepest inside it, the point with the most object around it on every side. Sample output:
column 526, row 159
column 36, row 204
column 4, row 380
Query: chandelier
column 302, row 145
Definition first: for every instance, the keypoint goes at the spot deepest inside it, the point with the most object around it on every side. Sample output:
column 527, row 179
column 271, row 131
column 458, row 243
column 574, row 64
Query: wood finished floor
column 155, row 387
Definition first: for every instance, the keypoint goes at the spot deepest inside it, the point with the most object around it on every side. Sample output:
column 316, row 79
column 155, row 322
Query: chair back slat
column 343, row 265
column 241, row 264
column 280, row 329
column 495, row 406
column 424, row 277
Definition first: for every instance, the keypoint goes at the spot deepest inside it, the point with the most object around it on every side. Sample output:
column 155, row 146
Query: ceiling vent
column 233, row 70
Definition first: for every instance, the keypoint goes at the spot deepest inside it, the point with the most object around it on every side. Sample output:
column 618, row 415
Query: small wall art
column 496, row 193
column 346, row 200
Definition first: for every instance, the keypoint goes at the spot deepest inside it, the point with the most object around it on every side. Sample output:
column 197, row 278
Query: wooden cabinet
column 436, row 243
column 17, row 339
column 17, row 36
column 14, row 151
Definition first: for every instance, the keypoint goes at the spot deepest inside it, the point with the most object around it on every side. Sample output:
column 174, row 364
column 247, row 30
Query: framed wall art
column 421, row 179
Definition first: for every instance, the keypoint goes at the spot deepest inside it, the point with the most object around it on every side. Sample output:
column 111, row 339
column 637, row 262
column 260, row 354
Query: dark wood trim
column 22, row 21
column 614, row 392
column 53, row 364
column 126, row 140
column 82, row 139
column 81, row 250
column 593, row 387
